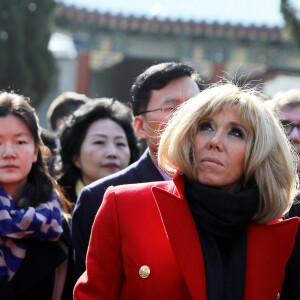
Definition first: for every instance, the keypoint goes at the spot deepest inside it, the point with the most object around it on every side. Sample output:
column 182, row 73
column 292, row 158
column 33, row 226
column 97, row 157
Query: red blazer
column 150, row 224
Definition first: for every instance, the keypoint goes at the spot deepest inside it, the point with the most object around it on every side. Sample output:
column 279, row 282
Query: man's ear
column 138, row 123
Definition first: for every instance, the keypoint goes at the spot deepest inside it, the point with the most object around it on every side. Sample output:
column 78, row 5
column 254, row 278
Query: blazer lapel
column 183, row 236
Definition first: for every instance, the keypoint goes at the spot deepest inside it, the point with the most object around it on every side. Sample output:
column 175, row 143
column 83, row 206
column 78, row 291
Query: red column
column 83, row 73
column 217, row 72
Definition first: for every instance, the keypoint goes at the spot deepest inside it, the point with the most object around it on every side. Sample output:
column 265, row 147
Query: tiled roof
column 166, row 26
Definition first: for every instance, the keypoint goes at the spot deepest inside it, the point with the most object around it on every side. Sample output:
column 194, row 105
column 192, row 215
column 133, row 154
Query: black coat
column 35, row 278
column 90, row 199
column 291, row 287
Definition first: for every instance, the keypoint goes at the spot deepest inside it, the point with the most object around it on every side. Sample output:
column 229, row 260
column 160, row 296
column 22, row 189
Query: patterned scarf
column 43, row 222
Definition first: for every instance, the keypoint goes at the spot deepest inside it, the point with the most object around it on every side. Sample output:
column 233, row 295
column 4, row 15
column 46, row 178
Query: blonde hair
column 269, row 157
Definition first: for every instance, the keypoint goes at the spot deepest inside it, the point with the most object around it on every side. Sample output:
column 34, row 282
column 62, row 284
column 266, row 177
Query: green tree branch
column 290, row 17
column 27, row 67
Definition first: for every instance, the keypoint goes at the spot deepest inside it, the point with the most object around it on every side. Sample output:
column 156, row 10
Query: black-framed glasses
column 165, row 109
column 289, row 126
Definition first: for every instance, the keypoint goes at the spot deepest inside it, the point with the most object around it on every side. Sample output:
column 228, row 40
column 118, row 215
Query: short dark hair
column 73, row 132
column 63, row 106
column 157, row 77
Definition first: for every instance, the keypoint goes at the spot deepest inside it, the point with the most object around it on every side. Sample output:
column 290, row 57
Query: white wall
column 281, row 83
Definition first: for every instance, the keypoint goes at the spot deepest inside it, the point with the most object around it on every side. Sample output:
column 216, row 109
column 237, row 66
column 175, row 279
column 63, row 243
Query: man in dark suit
column 155, row 94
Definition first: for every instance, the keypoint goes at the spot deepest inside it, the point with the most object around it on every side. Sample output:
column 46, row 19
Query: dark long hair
column 39, row 184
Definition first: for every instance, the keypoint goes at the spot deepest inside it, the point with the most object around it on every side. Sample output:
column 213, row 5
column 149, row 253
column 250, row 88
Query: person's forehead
column 176, row 91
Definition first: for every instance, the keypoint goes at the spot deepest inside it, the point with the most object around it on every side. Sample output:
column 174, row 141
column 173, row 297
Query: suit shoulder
column 129, row 196
column 140, row 187
column 111, row 180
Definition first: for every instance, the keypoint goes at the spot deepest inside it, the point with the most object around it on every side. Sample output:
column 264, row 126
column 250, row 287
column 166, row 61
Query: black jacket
column 36, row 276
column 291, row 287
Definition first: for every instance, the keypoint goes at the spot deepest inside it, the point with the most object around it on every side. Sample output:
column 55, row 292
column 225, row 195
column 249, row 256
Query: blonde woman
column 216, row 230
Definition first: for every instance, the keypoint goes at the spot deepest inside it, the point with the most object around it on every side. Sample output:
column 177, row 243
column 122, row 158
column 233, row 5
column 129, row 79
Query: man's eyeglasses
column 289, row 126
column 165, row 109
